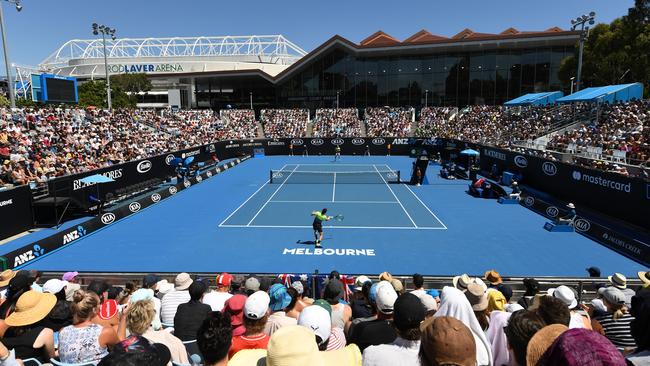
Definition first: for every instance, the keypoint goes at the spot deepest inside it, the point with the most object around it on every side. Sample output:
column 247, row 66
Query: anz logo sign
column 549, row 168
column 29, row 255
column 338, row 141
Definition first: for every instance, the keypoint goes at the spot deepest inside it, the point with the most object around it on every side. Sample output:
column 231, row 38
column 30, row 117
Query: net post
column 399, row 180
column 271, row 176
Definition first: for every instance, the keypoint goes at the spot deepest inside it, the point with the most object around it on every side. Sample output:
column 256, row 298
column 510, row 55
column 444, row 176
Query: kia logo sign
column 552, row 211
column 187, row 183
column 134, row 207
column 582, row 225
column 317, row 142
column 296, row 142
column 529, row 201
column 108, row 218
column 338, row 141
column 549, row 168
column 169, row 158
column 378, row 141
column 521, row 161
column 172, row 190
column 155, row 197
column 358, row 141
column 198, row 178
column 144, row 166
column 208, row 173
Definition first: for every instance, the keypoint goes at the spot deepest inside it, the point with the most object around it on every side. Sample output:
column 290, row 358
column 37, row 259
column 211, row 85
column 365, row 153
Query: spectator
column 644, row 276
column 35, row 277
column 25, row 335
column 379, row 331
column 341, row 313
column 234, row 307
column 542, row 341
column 521, row 327
column 461, row 282
column 615, row 324
column 640, row 328
column 137, row 350
column 61, row 315
column 280, row 300
column 493, row 278
column 339, row 122
column 284, row 122
column 418, row 284
column 7, row 357
column 71, row 278
column 532, row 288
column 447, row 341
column 506, row 291
column 361, row 307
column 150, row 281
column 214, row 339
column 568, row 297
column 85, row 340
column 553, row 311
column 387, row 121
column 496, row 301
column 108, row 315
column 251, row 285
column 138, row 321
column 18, row 285
column 497, row 337
column 594, row 272
column 582, row 347
column 478, row 299
column 256, row 314
column 620, row 282
column 319, row 321
column 190, row 316
column 171, row 300
column 336, row 338
column 5, row 278
column 217, row 298
column 407, row 316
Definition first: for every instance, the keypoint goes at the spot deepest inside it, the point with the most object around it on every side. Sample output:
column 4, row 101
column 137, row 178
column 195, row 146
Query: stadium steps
column 260, row 130
column 310, row 129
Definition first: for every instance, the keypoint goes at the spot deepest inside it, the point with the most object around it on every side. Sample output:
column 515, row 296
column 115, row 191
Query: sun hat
column 581, row 346
column 541, row 341
column 477, row 297
column 644, row 277
column 54, row 285
column 280, row 298
column 323, row 304
column 68, row 276
column 224, row 280
column 141, row 294
column 397, row 285
column 252, row 284
column 318, row 320
column 385, row 276
column 496, row 300
column 447, row 341
column 409, row 312
column 182, row 281
column 164, row 286
column 31, row 307
column 359, row 281
column 571, row 205
column 235, row 307
column 257, row 305
column 386, row 297
column 461, row 282
column 493, row 277
column 565, row 294
column 613, row 295
column 297, row 285
column 618, row 280
column 6, row 276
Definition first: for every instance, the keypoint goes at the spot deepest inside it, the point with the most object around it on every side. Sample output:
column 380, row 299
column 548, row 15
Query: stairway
column 260, row 130
column 310, row 129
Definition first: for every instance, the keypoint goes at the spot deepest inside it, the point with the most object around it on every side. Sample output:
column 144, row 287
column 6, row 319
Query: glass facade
column 442, row 79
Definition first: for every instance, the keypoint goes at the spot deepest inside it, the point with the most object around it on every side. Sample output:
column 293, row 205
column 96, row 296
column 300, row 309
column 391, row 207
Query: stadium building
column 272, row 72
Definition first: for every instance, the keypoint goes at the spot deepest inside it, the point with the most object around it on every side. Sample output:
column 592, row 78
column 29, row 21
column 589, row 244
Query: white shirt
column 216, row 300
column 400, row 352
column 170, row 303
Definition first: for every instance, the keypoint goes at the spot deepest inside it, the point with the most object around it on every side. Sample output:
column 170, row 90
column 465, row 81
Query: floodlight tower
column 105, row 31
column 10, row 83
column 583, row 21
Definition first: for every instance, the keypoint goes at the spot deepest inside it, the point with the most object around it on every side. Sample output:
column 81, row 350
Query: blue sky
column 43, row 25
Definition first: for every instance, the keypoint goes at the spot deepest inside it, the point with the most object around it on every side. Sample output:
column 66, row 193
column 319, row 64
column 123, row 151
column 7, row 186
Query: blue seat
column 508, row 201
column 56, row 362
column 555, row 228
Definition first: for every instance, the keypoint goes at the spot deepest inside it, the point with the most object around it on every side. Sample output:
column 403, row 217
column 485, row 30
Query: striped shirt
column 617, row 331
column 170, row 303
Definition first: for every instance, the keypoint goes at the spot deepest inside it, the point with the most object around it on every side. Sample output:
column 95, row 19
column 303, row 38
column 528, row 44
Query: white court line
column 249, row 197
column 273, row 195
column 334, row 188
column 391, row 191
column 284, row 201
column 337, row 165
column 337, row 227
column 422, row 203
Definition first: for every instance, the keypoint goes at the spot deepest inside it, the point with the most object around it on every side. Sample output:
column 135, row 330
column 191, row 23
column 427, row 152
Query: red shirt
column 248, row 342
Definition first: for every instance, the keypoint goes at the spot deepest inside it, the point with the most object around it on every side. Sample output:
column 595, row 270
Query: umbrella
column 188, row 161
column 96, row 178
column 470, row 152
column 176, row 162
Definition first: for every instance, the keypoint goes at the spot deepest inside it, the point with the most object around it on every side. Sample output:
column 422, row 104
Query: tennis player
column 317, row 225
column 337, row 153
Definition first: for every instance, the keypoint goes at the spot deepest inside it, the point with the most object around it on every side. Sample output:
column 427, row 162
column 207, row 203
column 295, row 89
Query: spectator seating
column 284, row 122
column 342, row 122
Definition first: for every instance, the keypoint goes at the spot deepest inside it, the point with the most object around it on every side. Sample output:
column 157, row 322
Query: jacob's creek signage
column 144, row 68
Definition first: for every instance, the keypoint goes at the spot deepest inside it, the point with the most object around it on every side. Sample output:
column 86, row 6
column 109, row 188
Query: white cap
column 358, row 283
column 318, row 320
column 386, row 297
column 427, row 300
column 257, row 304
column 164, row 286
column 54, row 285
column 565, row 294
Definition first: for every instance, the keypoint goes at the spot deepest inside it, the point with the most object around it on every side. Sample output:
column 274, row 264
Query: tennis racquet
column 338, row 217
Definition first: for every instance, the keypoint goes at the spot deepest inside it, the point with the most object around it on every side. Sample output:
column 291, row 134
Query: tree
column 132, row 84
column 4, row 102
column 615, row 53
column 93, row 93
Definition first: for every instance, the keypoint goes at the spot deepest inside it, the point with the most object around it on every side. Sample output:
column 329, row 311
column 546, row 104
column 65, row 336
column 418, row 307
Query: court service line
column 394, row 195
column 273, row 195
column 284, row 201
column 249, row 197
column 422, row 203
column 334, row 188
column 336, row 227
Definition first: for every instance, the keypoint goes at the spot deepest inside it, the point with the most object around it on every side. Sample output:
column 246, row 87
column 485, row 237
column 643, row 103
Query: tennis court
column 368, row 196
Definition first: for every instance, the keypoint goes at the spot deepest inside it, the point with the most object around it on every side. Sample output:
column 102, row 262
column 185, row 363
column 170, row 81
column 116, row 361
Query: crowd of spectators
column 432, row 119
column 351, row 321
column 343, row 122
column 388, row 121
column 284, row 122
column 239, row 124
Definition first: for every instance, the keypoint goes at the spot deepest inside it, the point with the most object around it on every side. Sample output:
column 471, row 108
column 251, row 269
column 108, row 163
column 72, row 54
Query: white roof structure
column 81, row 58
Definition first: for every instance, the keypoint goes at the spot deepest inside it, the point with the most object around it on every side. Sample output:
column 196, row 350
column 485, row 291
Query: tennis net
column 353, row 177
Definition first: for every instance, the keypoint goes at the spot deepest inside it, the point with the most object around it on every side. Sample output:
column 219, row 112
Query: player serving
column 319, row 217
column 337, row 153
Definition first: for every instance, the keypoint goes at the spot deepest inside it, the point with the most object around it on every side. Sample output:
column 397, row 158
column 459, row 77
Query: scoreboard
column 49, row 88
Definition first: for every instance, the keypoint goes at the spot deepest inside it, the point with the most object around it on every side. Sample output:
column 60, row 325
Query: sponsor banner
column 31, row 252
column 15, row 211
column 329, row 252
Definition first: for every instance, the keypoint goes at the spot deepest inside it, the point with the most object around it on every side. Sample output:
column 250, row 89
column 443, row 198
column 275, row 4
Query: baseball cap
column 323, row 304
column 447, row 341
column 280, row 298
column 333, row 290
column 358, row 283
column 69, row 276
column 149, row 280
column 252, row 284
column 235, row 306
column 409, row 312
column 224, row 280
column 256, row 305
column 386, row 297
column 141, row 294
column 54, row 285
column 318, row 320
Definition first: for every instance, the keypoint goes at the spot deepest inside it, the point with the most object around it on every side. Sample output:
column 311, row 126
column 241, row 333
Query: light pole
column 10, row 83
column 583, row 21
column 426, row 98
column 572, row 78
column 337, row 98
column 250, row 94
column 104, row 30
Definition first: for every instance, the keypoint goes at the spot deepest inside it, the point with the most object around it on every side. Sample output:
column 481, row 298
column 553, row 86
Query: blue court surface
column 249, row 220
